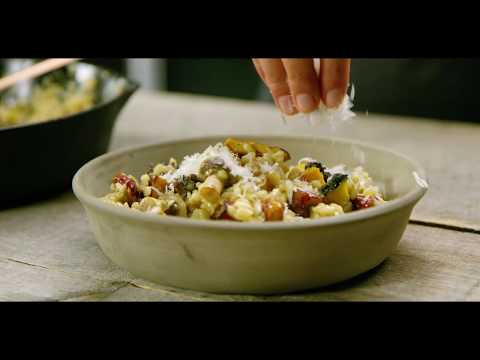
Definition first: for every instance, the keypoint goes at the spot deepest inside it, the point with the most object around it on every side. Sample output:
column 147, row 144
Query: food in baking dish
column 49, row 101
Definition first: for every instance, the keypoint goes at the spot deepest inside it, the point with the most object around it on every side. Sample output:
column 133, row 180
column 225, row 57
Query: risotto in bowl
column 245, row 214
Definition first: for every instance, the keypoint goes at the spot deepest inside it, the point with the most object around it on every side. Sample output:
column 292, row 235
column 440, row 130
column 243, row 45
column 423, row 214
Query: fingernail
column 286, row 104
column 334, row 98
column 305, row 103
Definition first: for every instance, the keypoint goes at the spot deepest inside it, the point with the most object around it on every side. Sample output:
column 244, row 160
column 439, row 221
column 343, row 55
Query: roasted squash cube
column 239, row 147
column 340, row 195
column 312, row 174
column 273, row 210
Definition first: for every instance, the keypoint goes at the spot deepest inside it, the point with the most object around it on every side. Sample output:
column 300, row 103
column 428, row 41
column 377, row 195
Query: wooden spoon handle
column 38, row 69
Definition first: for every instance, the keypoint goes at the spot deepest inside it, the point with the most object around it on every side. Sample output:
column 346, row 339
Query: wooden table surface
column 48, row 253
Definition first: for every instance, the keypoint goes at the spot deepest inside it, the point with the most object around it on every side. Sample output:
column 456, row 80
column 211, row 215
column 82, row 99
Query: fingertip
column 334, row 98
column 286, row 105
column 306, row 103
column 303, row 83
column 334, row 79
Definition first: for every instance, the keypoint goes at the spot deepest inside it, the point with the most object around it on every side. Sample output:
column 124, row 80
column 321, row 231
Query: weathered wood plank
column 430, row 264
column 29, row 282
column 448, row 150
column 55, row 234
column 134, row 293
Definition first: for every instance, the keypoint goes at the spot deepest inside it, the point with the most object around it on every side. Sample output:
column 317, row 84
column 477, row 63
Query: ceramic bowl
column 252, row 258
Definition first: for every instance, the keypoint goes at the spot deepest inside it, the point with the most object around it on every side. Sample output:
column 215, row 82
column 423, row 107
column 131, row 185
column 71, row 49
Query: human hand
column 298, row 85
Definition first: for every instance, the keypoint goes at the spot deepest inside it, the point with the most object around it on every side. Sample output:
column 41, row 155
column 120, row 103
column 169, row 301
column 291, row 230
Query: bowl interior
column 109, row 84
column 393, row 172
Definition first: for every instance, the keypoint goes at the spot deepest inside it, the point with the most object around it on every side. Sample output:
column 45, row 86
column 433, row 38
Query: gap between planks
column 427, row 223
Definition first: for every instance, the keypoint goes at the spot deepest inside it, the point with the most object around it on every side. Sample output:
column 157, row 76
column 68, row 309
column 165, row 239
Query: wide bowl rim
column 130, row 89
column 409, row 199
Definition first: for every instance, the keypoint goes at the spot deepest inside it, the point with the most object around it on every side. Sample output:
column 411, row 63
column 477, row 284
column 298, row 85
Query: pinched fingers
column 300, row 84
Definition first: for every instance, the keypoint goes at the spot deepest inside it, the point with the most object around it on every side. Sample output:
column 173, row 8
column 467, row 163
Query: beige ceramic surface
column 226, row 257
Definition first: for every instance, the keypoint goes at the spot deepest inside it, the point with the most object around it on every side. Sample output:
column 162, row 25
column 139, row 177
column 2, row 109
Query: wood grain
column 55, row 234
column 27, row 282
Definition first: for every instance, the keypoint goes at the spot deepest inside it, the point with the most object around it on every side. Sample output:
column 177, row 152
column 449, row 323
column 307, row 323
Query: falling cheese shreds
column 341, row 113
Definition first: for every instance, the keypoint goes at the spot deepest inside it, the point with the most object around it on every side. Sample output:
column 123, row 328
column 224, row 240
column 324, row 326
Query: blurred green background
column 233, row 78
column 431, row 88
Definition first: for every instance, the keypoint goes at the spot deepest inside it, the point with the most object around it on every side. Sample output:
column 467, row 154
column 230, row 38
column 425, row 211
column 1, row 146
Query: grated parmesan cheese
column 341, row 113
column 266, row 167
column 339, row 169
column 191, row 163
column 307, row 160
column 303, row 186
